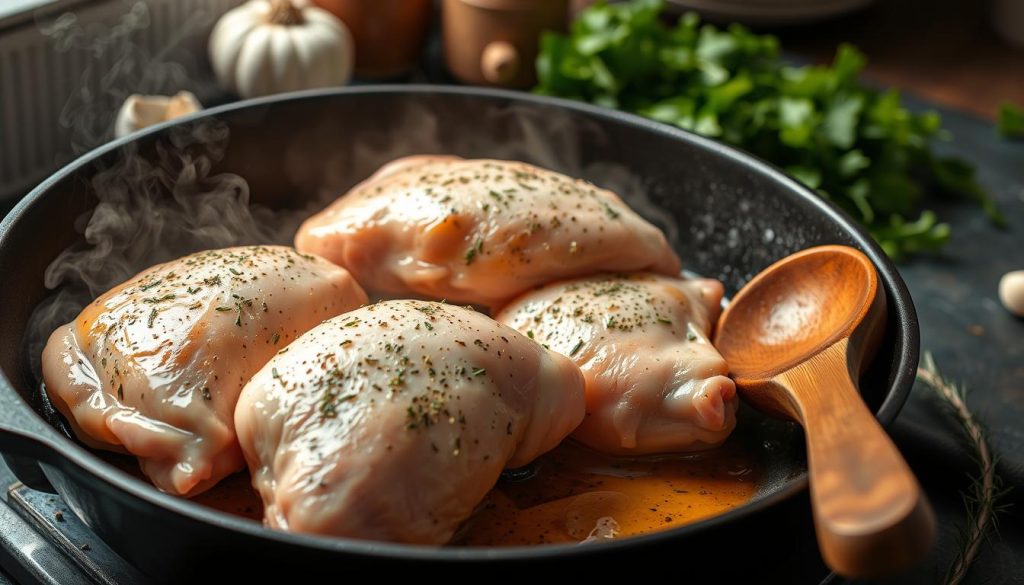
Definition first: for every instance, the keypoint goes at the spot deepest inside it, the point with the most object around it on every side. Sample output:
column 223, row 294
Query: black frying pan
column 735, row 216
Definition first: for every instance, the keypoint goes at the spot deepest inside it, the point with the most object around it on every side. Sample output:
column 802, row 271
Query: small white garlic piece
column 1011, row 292
column 142, row 111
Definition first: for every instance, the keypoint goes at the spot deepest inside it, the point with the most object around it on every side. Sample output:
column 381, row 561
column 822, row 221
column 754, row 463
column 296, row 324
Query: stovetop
column 44, row 543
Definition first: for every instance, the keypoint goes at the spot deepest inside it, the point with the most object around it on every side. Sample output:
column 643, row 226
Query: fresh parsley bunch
column 856, row 146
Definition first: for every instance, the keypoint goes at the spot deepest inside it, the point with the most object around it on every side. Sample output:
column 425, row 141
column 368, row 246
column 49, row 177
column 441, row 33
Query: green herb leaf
column 1010, row 123
column 576, row 348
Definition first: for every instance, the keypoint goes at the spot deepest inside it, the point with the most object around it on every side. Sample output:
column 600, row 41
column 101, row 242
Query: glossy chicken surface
column 654, row 383
column 392, row 422
column 154, row 366
column 479, row 231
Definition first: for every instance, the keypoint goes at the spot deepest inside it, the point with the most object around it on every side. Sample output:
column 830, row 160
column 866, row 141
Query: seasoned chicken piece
column 654, row 381
column 393, row 421
column 154, row 366
column 479, row 231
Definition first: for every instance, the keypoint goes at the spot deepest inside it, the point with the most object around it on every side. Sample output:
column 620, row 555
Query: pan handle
column 25, row 439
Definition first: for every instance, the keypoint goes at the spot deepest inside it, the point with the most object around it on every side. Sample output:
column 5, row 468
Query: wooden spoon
column 797, row 337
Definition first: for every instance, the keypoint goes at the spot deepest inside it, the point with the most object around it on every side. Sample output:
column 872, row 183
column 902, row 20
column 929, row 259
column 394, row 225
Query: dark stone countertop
column 977, row 343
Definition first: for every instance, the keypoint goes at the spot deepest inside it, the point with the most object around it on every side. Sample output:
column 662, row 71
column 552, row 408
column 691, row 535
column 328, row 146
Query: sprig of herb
column 982, row 498
column 855, row 145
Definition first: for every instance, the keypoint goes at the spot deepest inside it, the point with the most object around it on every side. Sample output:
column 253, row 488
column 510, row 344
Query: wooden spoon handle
column 870, row 514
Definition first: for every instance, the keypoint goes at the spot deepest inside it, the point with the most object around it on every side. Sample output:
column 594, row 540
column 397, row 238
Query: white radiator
column 66, row 68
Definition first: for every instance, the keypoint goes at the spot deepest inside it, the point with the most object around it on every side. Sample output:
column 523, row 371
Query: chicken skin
column 479, row 231
column 154, row 366
column 392, row 422
column 654, row 383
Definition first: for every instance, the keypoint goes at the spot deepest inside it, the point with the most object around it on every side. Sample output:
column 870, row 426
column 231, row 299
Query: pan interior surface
column 249, row 173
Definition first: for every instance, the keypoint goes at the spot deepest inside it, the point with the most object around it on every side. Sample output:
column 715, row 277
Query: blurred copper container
column 388, row 34
column 495, row 42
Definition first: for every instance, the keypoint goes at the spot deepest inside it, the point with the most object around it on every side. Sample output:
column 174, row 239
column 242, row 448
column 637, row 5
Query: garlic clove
column 142, row 111
column 138, row 112
column 182, row 103
column 1011, row 292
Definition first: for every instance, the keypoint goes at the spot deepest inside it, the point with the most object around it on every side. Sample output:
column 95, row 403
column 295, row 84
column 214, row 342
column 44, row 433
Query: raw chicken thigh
column 154, row 366
column 479, row 231
column 393, row 421
column 654, row 381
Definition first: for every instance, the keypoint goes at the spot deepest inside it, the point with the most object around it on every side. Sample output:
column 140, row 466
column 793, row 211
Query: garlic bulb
column 141, row 111
column 272, row 46
column 1011, row 292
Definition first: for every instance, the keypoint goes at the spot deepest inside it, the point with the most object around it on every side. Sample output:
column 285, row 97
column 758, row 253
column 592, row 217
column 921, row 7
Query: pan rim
column 907, row 339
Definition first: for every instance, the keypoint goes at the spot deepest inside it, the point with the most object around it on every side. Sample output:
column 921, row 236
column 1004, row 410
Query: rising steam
column 117, row 63
column 152, row 209
column 169, row 202
column 135, row 224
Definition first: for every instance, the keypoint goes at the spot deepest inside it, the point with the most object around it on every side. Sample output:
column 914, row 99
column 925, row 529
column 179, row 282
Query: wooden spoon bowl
column 797, row 337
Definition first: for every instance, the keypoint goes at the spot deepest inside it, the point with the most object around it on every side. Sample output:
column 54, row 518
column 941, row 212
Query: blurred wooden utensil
column 495, row 42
